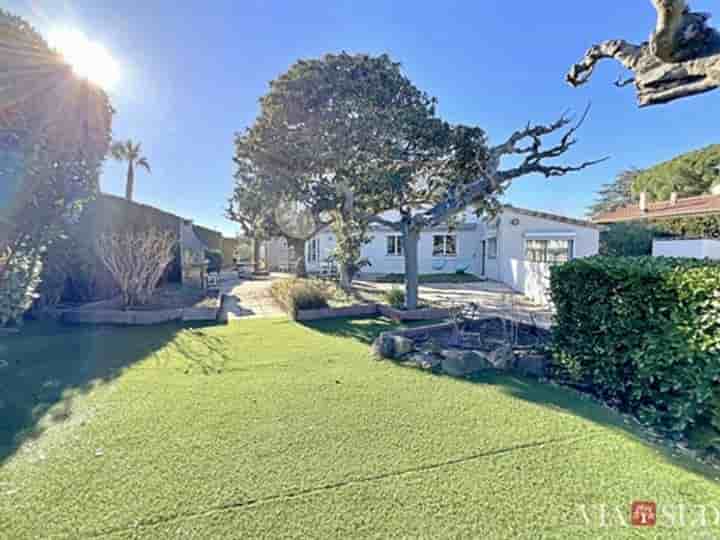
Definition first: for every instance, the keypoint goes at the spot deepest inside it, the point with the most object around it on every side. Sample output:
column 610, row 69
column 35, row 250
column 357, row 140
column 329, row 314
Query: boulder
column 392, row 347
column 402, row 346
column 501, row 358
column 425, row 360
column 459, row 363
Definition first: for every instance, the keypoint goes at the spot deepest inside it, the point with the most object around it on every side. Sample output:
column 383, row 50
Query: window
column 394, row 246
column 492, row 248
column 548, row 251
column 444, row 245
column 314, row 250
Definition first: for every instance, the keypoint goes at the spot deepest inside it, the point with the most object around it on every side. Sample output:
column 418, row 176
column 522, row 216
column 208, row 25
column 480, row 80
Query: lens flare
column 89, row 59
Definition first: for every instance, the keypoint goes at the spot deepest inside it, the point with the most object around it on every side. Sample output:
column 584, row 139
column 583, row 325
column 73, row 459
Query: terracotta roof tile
column 690, row 206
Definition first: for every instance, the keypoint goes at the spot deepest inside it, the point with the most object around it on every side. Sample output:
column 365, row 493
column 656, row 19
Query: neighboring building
column 517, row 248
column 675, row 207
column 703, row 205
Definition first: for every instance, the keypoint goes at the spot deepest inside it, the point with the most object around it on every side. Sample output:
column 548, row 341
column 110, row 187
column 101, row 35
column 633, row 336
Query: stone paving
column 248, row 298
column 251, row 298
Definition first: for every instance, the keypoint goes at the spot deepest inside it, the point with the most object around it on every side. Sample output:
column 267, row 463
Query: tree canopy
column 615, row 194
column 689, row 174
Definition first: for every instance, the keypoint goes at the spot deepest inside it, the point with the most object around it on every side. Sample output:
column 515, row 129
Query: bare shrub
column 137, row 261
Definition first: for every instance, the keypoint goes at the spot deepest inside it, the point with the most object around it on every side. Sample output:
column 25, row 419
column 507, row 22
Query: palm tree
column 132, row 153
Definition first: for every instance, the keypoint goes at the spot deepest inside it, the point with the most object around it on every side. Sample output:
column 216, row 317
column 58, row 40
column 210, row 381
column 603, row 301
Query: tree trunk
column 256, row 244
column 130, row 186
column 346, row 277
column 411, row 238
column 298, row 247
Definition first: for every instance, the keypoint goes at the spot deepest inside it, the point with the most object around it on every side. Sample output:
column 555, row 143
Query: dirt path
column 248, row 298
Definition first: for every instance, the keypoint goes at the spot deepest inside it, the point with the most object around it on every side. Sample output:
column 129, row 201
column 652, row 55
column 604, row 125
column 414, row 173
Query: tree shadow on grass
column 560, row 399
column 44, row 367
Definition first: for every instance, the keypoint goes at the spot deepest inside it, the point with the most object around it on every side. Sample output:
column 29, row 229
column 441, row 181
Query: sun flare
column 89, row 59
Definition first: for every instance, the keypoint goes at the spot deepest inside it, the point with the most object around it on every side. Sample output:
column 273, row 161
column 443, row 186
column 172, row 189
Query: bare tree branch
column 493, row 178
column 681, row 59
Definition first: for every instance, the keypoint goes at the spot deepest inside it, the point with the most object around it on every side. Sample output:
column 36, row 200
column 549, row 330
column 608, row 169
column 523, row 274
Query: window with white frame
column 444, row 245
column 492, row 248
column 314, row 250
column 548, row 250
column 394, row 247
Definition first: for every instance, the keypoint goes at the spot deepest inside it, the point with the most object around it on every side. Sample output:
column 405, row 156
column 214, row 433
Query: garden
column 258, row 428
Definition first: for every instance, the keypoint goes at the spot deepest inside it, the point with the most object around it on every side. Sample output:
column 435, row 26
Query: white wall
column 531, row 278
column 696, row 249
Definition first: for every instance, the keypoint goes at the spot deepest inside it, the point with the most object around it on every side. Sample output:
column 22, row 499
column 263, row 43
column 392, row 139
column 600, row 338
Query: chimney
column 673, row 198
column 643, row 201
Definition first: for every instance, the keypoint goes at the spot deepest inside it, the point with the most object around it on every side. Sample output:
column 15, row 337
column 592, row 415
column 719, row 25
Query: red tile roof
column 690, row 206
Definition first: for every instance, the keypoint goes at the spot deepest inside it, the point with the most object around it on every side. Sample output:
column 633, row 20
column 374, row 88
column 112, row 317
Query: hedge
column 644, row 332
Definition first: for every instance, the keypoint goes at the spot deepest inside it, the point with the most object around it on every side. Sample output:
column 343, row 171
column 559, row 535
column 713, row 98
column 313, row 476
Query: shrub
column 295, row 294
column 395, row 297
column 137, row 261
column 644, row 332
column 19, row 279
column 215, row 258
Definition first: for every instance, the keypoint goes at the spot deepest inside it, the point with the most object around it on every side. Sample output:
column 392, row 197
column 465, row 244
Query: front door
column 483, row 249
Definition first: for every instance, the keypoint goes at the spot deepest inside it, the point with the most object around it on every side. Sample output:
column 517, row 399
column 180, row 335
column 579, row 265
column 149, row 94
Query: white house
column 517, row 248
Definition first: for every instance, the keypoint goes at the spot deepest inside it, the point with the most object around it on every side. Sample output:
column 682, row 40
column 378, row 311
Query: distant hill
column 693, row 173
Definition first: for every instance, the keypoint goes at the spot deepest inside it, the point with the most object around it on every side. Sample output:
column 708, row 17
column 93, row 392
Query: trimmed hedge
column 644, row 332
column 296, row 294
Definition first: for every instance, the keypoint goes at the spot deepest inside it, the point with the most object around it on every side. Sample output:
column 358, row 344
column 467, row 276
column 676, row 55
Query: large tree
column 333, row 132
column 680, row 59
column 54, row 134
column 130, row 153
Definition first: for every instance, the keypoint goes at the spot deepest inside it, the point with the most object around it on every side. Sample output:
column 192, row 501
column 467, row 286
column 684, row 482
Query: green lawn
column 267, row 428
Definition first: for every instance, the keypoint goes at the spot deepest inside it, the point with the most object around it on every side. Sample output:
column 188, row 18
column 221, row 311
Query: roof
column 551, row 217
column 689, row 206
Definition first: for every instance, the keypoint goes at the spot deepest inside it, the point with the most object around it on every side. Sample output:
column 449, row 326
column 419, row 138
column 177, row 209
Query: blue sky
column 192, row 73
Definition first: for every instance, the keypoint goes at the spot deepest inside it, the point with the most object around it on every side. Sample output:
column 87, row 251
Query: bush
column 215, row 258
column 627, row 239
column 295, row 294
column 395, row 297
column 644, row 332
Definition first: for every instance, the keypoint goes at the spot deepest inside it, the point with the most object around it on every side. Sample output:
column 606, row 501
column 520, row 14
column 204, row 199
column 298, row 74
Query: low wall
column 423, row 314
column 361, row 310
column 371, row 310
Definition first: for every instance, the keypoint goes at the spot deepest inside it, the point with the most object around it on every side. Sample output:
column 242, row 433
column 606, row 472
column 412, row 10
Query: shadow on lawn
column 47, row 365
column 560, row 399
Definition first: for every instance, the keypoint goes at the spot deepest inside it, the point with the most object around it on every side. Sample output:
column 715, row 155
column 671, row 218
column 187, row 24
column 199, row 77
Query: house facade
column 517, row 248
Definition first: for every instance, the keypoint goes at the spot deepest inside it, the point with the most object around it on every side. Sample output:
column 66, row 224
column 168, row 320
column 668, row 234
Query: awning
column 544, row 235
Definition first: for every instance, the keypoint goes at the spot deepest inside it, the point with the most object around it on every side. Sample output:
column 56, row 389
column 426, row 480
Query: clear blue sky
column 193, row 72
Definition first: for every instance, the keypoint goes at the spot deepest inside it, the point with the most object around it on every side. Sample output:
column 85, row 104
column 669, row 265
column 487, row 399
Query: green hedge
column 644, row 332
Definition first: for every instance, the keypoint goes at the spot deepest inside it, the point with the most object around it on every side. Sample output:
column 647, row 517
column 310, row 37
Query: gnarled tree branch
column 494, row 179
column 681, row 59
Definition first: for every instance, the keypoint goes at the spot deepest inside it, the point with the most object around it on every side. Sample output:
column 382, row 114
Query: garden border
column 370, row 310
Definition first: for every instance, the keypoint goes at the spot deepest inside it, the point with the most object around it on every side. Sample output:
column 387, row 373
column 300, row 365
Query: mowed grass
column 267, row 428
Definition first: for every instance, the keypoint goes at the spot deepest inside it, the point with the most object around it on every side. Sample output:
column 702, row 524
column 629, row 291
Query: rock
column 425, row 360
column 382, row 347
column 392, row 347
column 532, row 364
column 459, row 363
column 501, row 358
column 402, row 346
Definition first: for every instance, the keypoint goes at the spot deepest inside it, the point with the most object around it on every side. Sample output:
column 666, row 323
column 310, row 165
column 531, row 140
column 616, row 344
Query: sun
column 89, row 59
